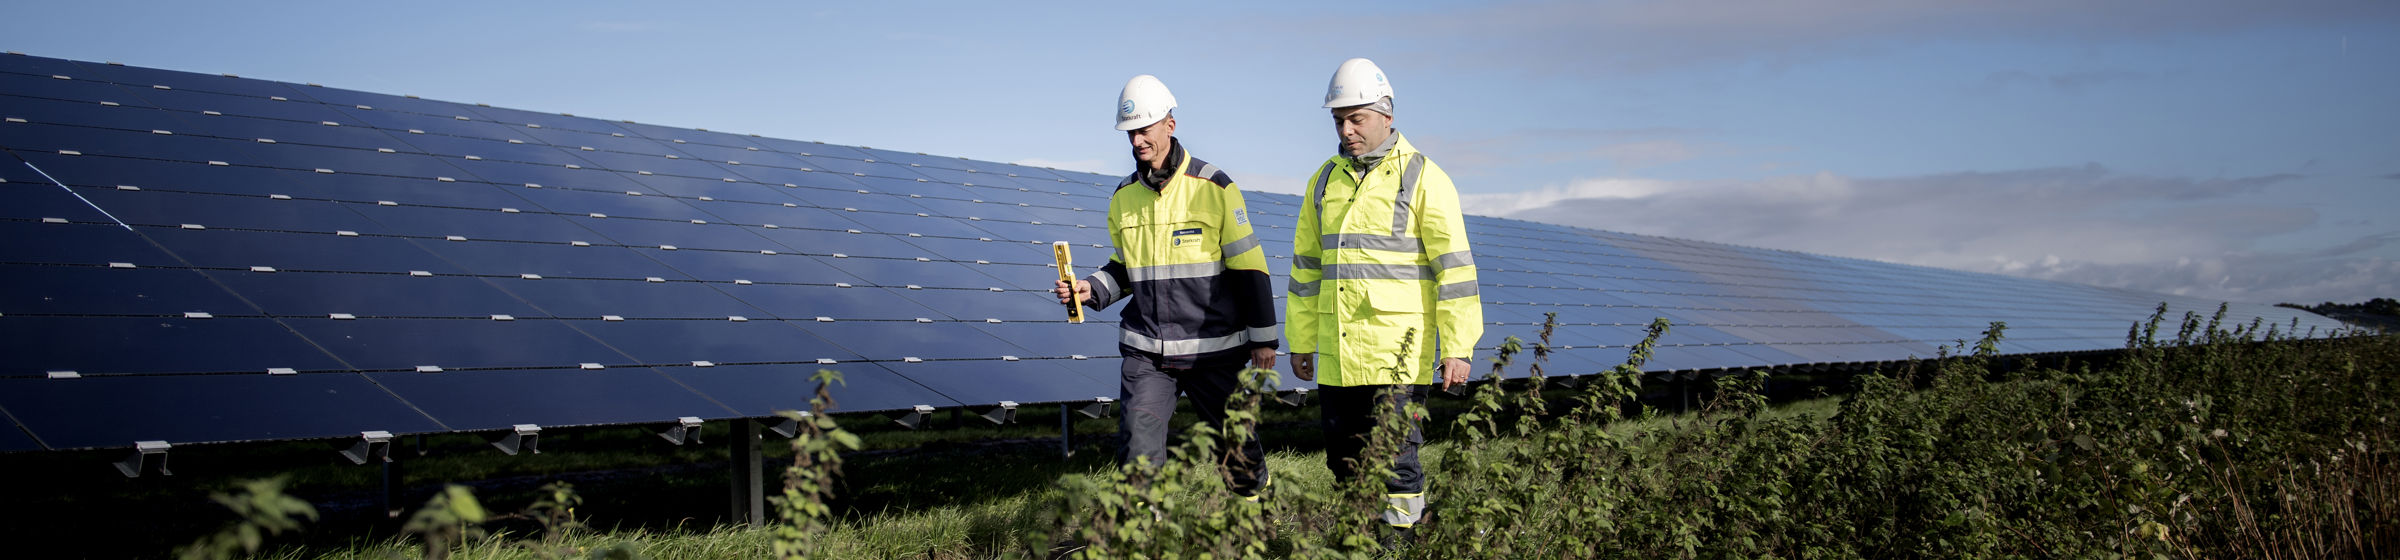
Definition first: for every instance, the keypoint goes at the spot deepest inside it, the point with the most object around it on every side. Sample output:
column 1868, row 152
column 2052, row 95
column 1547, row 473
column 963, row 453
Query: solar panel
column 115, row 411
column 759, row 390
column 574, row 396
column 279, row 261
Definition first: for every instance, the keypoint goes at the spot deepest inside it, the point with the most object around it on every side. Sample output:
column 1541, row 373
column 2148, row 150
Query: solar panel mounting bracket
column 520, row 437
column 1003, row 413
column 375, row 445
column 786, row 423
column 1100, row 407
column 915, row 417
column 684, row 428
column 134, row 465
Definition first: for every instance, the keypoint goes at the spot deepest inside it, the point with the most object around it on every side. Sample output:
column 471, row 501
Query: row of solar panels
column 201, row 258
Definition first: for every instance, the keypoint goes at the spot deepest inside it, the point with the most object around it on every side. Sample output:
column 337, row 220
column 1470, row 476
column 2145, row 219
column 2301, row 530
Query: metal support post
column 393, row 482
column 749, row 492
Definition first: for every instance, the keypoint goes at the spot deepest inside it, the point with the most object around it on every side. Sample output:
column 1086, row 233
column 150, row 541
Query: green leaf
column 462, row 502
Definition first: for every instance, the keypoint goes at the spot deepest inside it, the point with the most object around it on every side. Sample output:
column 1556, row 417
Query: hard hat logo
column 1125, row 109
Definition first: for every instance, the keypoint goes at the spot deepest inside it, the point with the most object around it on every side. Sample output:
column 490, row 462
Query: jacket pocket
column 1391, row 300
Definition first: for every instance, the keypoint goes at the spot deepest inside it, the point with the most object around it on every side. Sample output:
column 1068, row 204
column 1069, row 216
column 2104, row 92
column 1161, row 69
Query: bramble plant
column 2207, row 441
column 1179, row 508
column 452, row 518
column 2202, row 439
column 261, row 509
column 808, row 485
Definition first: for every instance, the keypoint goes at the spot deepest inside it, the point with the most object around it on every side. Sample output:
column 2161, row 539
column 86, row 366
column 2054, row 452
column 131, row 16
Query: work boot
column 1396, row 539
column 1264, row 493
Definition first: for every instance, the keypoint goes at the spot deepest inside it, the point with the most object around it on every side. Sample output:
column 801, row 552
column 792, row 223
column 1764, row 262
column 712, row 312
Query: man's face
column 1361, row 129
column 1150, row 142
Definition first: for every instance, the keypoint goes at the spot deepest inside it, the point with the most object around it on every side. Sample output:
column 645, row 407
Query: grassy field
column 927, row 506
column 2194, row 443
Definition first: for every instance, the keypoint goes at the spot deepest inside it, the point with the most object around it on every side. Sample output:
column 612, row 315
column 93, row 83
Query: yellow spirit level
column 1066, row 273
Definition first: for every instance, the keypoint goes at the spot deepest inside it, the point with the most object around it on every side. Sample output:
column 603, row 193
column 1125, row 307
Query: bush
column 2223, row 442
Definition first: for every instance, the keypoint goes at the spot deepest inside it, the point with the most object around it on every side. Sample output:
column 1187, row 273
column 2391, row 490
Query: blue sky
column 2240, row 150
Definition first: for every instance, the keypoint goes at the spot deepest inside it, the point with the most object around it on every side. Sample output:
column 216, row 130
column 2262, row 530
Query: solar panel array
column 201, row 258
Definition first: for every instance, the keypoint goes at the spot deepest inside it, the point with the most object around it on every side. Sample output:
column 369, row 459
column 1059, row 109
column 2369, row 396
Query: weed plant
column 2201, row 440
column 2220, row 443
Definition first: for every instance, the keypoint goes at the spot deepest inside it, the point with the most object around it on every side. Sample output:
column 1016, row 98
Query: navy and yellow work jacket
column 1188, row 266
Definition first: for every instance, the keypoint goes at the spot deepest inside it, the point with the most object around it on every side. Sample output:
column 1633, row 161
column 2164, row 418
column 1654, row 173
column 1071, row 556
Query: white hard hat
column 1357, row 82
column 1144, row 101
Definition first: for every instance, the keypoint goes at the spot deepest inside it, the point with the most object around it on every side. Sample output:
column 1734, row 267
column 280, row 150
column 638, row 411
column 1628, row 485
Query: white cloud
column 2086, row 224
column 1638, row 36
column 1509, row 204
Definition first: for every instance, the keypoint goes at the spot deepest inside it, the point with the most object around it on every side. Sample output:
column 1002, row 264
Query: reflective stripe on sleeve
column 1306, row 263
column 1301, row 289
column 1455, row 260
column 1243, row 245
column 1266, row 334
column 1104, row 289
column 1459, row 290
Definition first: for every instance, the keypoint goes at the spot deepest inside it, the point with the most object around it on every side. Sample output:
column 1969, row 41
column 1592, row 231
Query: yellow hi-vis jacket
column 1380, row 251
column 1188, row 265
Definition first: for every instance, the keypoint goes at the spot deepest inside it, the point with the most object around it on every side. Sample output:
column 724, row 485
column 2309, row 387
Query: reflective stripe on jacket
column 1379, row 251
column 1188, row 265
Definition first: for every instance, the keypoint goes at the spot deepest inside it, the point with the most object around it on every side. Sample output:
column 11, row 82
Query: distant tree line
column 2381, row 313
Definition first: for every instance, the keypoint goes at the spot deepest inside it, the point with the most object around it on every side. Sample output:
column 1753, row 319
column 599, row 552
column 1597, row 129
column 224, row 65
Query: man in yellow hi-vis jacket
column 1198, row 300
column 1380, row 256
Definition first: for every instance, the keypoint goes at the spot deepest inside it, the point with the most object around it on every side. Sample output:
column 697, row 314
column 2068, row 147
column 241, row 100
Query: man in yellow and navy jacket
column 1199, row 303
column 1380, row 255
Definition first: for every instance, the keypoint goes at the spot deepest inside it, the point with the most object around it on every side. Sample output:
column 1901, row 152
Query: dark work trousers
column 1350, row 415
column 1149, row 396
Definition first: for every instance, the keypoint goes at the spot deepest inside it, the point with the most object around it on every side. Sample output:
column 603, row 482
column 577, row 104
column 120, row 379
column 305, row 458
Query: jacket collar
column 1157, row 179
column 1368, row 159
column 1394, row 147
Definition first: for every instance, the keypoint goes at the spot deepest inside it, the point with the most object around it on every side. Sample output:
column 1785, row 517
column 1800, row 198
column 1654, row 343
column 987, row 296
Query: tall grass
column 2202, row 440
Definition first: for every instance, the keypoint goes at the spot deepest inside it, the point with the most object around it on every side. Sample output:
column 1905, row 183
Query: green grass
column 1954, row 458
column 978, row 527
column 630, row 478
column 961, row 503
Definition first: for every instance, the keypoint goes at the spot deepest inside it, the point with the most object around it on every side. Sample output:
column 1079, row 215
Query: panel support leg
column 749, row 492
column 393, row 482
